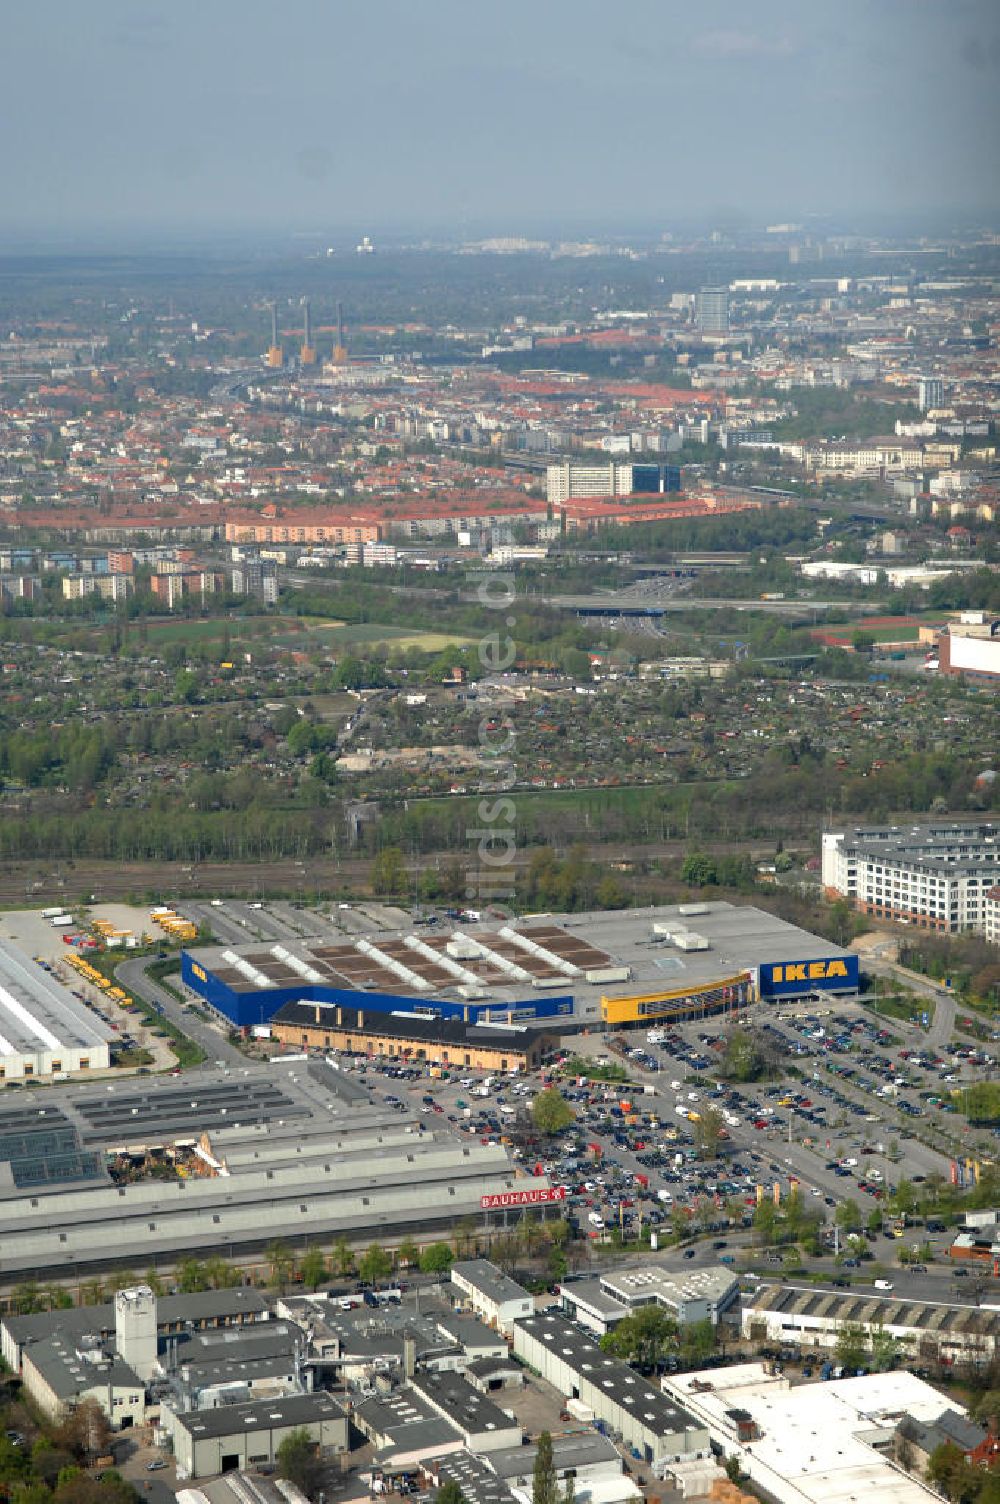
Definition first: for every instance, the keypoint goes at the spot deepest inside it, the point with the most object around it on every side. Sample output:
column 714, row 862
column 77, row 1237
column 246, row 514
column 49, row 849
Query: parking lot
column 829, row 1124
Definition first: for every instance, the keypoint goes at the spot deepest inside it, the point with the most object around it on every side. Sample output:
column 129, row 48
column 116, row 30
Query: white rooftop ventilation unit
column 509, row 968
column 245, row 969
column 421, row 948
column 533, row 948
column 411, row 978
column 690, row 941
column 296, row 964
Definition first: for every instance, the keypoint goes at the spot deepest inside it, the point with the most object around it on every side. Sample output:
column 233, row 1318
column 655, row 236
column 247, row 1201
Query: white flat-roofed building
column 936, row 876
column 44, row 1029
column 699, row 1295
column 491, row 1294
column 815, row 1443
column 572, row 481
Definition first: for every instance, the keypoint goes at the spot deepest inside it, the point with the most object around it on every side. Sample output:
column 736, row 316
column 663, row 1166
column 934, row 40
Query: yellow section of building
column 677, row 1002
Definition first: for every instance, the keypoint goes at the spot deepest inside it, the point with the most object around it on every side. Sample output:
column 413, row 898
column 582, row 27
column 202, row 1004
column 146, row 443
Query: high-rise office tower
column 711, row 310
column 930, row 393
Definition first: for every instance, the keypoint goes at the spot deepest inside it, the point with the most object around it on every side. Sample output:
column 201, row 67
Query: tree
column 342, row 1258
column 153, row 1280
column 375, row 1264
column 642, row 1338
column 569, row 1489
column 279, row 1257
column 191, row 1276
column 298, row 1461
column 220, row 1273
column 946, row 1469
column 697, row 1341
column 765, row 1222
column 86, row 1431
column 742, row 1060
column 699, row 870
column 436, row 1259
column 550, row 1111
column 314, row 1270
column 408, row 1253
column 544, row 1487
column 904, row 1198
column 389, row 871
column 708, row 1131
column 852, row 1346
column 848, row 1215
column 449, row 1493
column 885, row 1349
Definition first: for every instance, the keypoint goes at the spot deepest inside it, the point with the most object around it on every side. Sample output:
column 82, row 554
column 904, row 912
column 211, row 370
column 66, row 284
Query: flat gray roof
column 262, row 1415
column 467, row 1408
column 574, row 1449
column 406, row 1419
column 555, row 951
column 490, row 1281
column 67, row 1374
column 478, row 1484
column 172, row 1312
column 623, row 1386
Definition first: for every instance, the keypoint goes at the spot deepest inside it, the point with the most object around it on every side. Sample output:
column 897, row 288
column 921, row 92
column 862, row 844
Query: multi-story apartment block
column 257, row 577
column 576, row 482
column 935, row 876
column 111, row 587
column 20, row 587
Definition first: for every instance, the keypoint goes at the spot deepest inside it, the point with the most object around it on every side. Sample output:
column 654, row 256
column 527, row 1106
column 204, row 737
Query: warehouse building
column 44, row 1030
column 586, row 1457
column 927, row 1331
column 59, row 1375
column 565, row 1357
column 479, row 1421
column 295, row 1150
column 495, row 1297
column 438, row 1041
column 599, row 1304
column 936, row 876
column 405, row 1430
column 177, row 1316
column 971, row 647
column 234, row 1437
column 549, row 973
column 814, row 1443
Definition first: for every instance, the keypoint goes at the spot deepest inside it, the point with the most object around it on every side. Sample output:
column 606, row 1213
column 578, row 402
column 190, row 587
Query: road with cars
column 134, row 976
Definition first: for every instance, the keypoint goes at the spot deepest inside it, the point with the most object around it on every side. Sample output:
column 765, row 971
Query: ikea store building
column 628, row 967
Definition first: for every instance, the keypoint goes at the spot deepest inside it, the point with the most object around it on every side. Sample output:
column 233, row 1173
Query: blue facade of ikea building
column 839, row 973
column 245, row 1009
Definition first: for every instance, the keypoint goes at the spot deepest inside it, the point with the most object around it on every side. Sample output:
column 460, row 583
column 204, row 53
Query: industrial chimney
column 275, row 358
column 307, row 354
column 340, row 349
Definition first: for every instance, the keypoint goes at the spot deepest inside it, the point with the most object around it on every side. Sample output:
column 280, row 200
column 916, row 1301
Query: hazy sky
column 350, row 114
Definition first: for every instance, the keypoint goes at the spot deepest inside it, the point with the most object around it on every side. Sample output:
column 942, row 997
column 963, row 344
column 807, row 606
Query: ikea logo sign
column 199, row 972
column 809, row 971
column 833, row 972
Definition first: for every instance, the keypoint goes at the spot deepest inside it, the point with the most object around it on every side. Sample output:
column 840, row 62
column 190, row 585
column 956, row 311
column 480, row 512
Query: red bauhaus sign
column 544, row 1196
